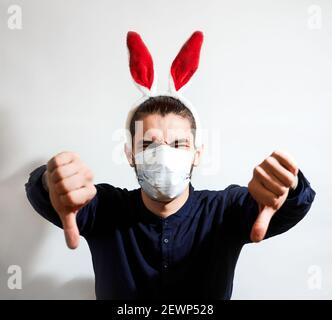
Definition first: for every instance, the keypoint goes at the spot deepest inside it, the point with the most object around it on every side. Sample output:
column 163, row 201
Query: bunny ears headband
column 182, row 69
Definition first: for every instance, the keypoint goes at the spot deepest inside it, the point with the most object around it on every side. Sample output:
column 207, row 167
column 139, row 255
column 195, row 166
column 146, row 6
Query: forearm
column 244, row 210
column 294, row 208
column 38, row 196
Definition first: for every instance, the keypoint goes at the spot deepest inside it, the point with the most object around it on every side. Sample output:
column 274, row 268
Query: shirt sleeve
column 40, row 201
column 243, row 210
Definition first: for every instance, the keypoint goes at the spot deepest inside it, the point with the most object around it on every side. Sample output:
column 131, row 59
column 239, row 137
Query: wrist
column 295, row 183
column 44, row 181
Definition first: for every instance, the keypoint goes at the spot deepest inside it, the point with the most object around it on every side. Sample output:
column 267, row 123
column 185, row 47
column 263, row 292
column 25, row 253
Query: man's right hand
column 70, row 186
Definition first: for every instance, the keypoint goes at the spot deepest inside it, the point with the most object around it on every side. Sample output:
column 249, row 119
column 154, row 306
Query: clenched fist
column 70, row 185
column 269, row 186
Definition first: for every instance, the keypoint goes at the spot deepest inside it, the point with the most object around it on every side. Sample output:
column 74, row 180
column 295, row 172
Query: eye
column 145, row 145
column 149, row 144
column 181, row 144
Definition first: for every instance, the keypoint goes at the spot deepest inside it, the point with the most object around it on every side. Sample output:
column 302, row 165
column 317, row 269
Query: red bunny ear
column 140, row 60
column 186, row 62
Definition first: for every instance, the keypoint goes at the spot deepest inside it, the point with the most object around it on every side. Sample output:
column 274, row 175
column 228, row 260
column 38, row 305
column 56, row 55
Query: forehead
column 166, row 127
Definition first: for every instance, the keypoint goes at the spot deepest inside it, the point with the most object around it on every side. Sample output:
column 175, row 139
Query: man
column 166, row 239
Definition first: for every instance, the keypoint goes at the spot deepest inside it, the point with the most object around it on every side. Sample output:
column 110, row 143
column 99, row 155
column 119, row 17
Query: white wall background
column 264, row 83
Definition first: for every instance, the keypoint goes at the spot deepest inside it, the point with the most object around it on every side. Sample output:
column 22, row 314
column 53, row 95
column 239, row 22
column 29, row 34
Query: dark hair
column 161, row 105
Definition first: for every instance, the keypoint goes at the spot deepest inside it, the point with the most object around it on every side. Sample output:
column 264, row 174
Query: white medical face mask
column 164, row 172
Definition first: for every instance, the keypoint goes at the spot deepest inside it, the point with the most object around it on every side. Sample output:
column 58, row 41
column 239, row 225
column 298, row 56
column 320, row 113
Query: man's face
column 171, row 129
column 155, row 129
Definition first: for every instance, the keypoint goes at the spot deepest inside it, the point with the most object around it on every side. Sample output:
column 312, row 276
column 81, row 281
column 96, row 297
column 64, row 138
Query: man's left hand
column 269, row 186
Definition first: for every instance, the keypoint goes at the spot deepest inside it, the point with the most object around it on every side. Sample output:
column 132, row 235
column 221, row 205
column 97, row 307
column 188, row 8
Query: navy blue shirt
column 190, row 254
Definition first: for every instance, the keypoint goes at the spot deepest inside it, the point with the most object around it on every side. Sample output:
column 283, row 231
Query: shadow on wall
column 22, row 232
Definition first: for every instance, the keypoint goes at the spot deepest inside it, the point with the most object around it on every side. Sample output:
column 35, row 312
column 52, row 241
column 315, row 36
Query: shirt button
column 165, row 240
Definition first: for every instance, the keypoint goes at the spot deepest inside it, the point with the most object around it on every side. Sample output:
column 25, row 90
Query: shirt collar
column 183, row 212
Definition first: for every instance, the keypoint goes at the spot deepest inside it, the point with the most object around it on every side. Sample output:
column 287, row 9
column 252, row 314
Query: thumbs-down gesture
column 70, row 184
column 270, row 186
